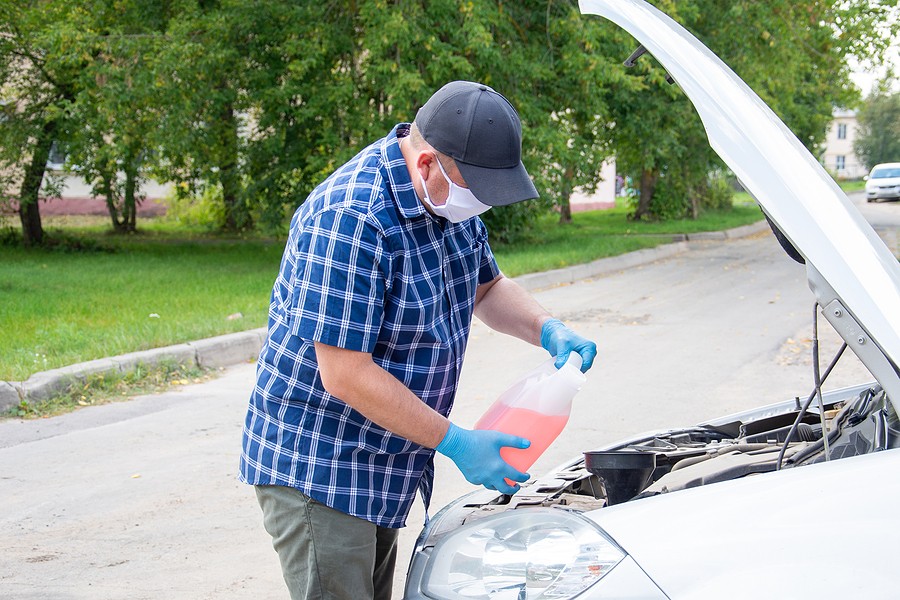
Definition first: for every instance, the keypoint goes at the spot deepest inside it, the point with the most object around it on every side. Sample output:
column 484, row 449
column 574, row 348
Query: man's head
column 480, row 131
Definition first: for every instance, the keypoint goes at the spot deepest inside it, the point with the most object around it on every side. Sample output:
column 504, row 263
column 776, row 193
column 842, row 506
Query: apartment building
column 839, row 157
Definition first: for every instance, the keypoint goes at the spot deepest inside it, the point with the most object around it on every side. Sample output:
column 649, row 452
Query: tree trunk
column 29, row 210
column 112, row 204
column 565, row 207
column 236, row 217
column 565, row 210
column 129, row 204
column 649, row 179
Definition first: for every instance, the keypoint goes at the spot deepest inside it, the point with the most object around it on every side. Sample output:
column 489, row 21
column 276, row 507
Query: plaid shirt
column 365, row 268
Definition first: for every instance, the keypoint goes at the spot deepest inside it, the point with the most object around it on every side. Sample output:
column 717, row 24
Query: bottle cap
column 571, row 373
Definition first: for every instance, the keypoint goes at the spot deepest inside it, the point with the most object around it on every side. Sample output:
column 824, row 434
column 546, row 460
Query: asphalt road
column 883, row 216
column 139, row 500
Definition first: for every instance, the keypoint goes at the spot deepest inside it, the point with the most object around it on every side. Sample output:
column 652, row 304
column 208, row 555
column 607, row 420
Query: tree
column 302, row 72
column 793, row 54
column 575, row 68
column 659, row 141
column 878, row 138
column 311, row 84
column 202, row 91
column 38, row 74
column 115, row 112
column 544, row 56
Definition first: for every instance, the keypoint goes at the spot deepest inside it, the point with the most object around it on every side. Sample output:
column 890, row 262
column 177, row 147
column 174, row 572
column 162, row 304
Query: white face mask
column 461, row 203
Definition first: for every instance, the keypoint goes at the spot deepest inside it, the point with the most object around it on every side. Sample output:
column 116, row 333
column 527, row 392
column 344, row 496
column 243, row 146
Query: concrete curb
column 220, row 351
column 233, row 348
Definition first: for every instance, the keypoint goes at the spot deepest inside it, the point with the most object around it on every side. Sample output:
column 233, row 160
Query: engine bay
column 860, row 423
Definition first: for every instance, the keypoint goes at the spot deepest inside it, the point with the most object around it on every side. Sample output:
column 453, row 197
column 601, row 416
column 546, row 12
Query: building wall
column 604, row 197
column 839, row 157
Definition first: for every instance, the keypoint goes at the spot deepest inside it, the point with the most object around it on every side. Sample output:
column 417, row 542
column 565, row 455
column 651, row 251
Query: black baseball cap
column 480, row 130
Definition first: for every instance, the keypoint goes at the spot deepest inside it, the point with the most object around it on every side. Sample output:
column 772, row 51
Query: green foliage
column 56, row 240
column 263, row 99
column 203, row 209
column 686, row 195
column 718, row 193
column 670, row 200
column 114, row 113
column 510, row 223
column 38, row 71
column 793, row 54
column 878, row 138
column 545, row 57
column 10, row 237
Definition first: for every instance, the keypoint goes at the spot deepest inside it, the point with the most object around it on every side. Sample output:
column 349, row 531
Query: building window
column 840, row 163
column 57, row 158
column 842, row 132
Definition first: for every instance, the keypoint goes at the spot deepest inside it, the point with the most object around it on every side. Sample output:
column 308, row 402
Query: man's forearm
column 379, row 396
column 506, row 307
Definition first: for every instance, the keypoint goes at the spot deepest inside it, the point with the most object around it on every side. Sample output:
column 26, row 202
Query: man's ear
column 425, row 162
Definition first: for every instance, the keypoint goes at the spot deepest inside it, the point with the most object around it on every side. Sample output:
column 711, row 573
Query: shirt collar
column 400, row 185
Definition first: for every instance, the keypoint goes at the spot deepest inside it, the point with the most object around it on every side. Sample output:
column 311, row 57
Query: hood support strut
column 857, row 338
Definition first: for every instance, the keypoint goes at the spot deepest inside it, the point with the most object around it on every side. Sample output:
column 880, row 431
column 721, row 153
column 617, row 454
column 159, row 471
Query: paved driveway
column 139, row 500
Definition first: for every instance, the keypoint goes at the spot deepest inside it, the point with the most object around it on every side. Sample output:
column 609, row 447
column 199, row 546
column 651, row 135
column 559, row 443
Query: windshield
column 885, row 173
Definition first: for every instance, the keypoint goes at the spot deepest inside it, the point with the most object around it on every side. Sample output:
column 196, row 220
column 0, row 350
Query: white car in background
column 797, row 499
column 883, row 182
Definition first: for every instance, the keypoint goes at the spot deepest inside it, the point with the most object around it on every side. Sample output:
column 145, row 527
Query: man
column 384, row 267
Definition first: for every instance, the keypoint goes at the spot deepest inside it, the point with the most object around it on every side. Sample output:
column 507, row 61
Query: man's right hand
column 477, row 455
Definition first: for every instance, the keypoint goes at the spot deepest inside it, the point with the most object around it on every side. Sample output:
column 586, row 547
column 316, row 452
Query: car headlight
column 536, row 554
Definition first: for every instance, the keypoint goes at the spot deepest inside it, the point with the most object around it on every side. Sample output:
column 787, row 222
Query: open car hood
column 855, row 278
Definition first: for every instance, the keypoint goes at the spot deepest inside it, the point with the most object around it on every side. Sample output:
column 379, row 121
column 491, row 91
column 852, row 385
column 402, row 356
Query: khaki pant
column 326, row 554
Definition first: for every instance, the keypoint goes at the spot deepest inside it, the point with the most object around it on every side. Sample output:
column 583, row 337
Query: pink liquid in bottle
column 541, row 431
column 535, row 408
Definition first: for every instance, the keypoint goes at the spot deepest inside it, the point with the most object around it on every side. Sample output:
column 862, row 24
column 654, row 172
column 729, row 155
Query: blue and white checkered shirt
column 365, row 268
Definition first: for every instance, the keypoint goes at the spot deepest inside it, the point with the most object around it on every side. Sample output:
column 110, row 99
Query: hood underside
column 855, row 277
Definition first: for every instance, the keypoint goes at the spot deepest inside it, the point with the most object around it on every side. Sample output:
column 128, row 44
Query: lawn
column 169, row 285
column 59, row 308
column 602, row 233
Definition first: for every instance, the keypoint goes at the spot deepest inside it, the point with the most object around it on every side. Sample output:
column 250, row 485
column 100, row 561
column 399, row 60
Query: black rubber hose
column 806, row 406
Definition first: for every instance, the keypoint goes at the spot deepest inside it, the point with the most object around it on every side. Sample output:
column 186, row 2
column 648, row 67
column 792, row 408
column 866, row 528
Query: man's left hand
column 560, row 341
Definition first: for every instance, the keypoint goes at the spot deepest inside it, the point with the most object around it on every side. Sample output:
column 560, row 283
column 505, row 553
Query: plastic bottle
column 536, row 408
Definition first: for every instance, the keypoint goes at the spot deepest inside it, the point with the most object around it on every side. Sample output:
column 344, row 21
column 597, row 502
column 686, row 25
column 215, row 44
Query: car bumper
column 890, row 193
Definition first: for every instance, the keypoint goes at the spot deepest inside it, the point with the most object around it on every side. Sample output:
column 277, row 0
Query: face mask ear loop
column 443, row 172
column 461, row 203
column 449, row 181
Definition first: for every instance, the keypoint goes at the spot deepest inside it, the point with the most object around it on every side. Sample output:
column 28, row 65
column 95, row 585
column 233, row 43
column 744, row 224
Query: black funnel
column 624, row 473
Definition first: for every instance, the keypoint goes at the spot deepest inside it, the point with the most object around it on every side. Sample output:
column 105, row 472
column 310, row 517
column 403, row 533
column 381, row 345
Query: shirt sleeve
column 340, row 281
column 488, row 269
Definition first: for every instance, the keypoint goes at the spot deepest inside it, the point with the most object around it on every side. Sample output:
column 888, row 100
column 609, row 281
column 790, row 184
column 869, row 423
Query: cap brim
column 498, row 187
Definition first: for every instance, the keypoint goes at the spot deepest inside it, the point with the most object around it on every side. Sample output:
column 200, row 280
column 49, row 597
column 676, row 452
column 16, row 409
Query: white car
column 798, row 499
column 883, row 182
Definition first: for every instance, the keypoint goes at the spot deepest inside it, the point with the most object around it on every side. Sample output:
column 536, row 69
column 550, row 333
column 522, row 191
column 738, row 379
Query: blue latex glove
column 476, row 453
column 560, row 341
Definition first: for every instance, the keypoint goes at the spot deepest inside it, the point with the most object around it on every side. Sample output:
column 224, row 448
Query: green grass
column 856, row 185
column 169, row 284
column 59, row 308
column 599, row 234
column 849, row 186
